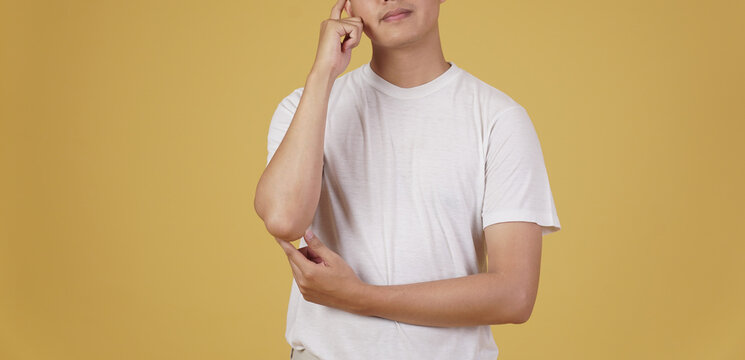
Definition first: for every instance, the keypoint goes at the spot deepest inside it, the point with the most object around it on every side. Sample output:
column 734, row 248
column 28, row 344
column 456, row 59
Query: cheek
column 366, row 27
column 369, row 27
column 428, row 17
column 367, row 17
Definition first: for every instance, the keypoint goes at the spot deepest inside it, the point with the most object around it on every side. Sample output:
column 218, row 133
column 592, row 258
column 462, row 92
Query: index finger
column 337, row 9
column 294, row 255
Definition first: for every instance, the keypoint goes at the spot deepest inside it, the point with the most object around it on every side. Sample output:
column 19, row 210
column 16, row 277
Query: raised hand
column 333, row 56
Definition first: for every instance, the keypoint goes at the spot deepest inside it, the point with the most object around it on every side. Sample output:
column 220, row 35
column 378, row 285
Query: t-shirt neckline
column 408, row 93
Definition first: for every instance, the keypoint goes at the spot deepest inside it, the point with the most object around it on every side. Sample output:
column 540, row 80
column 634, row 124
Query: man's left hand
column 323, row 277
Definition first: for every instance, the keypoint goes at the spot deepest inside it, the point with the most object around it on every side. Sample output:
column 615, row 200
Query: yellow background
column 133, row 134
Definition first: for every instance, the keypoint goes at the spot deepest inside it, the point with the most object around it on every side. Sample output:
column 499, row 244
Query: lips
column 395, row 12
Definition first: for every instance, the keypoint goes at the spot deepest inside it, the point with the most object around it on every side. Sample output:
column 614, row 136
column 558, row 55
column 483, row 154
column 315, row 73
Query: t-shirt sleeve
column 280, row 122
column 517, row 186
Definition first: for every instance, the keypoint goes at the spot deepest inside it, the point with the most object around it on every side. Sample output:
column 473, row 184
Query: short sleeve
column 516, row 180
column 280, row 122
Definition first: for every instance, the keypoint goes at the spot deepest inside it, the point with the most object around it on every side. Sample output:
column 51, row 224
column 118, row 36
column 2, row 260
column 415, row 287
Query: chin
column 395, row 40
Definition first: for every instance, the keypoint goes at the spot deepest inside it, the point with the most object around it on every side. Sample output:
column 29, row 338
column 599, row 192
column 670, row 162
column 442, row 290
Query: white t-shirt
column 411, row 177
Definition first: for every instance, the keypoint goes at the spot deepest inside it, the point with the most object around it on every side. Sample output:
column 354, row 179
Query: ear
column 348, row 7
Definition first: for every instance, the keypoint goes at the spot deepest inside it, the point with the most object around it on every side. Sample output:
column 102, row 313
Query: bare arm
column 504, row 294
column 288, row 191
column 478, row 299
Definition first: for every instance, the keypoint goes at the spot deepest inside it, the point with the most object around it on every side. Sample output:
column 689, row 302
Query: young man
column 407, row 173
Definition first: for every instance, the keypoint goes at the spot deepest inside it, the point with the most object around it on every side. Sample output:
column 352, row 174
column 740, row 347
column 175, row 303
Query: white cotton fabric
column 411, row 178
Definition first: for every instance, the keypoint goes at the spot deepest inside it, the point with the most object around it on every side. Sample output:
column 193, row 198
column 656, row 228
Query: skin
column 406, row 53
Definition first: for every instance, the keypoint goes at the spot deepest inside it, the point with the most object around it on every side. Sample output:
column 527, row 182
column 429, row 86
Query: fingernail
column 308, row 234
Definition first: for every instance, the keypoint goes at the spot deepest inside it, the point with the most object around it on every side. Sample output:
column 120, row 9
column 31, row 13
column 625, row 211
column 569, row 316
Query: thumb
column 314, row 243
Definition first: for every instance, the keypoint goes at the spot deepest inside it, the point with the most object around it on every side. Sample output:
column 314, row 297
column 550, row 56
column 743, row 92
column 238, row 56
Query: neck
column 411, row 64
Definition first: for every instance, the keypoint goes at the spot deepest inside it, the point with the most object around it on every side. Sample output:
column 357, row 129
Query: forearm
column 479, row 299
column 289, row 189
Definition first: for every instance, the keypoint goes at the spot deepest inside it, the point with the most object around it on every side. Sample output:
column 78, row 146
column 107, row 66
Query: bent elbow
column 521, row 317
column 523, row 309
column 285, row 227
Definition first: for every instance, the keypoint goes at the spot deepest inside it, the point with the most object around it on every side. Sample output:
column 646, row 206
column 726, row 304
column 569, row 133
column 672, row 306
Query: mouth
column 396, row 14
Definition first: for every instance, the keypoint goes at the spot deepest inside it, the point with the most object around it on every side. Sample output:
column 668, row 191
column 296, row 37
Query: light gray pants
column 302, row 355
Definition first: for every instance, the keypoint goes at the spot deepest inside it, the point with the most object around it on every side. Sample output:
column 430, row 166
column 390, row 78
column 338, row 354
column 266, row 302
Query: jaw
column 402, row 37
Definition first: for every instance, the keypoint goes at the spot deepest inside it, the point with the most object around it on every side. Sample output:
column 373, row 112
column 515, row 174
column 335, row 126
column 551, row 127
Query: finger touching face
column 336, row 10
column 348, row 8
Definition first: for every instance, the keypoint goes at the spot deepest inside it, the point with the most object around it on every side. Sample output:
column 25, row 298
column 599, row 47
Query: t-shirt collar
column 408, row 93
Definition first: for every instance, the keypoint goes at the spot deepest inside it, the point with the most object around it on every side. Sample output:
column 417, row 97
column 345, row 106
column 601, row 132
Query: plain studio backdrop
column 133, row 133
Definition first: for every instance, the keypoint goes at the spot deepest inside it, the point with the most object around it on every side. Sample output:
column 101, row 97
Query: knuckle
column 310, row 275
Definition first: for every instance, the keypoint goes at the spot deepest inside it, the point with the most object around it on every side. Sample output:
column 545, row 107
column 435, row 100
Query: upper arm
column 281, row 120
column 514, row 251
column 518, row 206
column 516, row 184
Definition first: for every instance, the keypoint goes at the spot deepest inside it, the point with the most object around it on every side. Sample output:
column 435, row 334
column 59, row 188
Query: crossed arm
column 484, row 298
column 504, row 294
